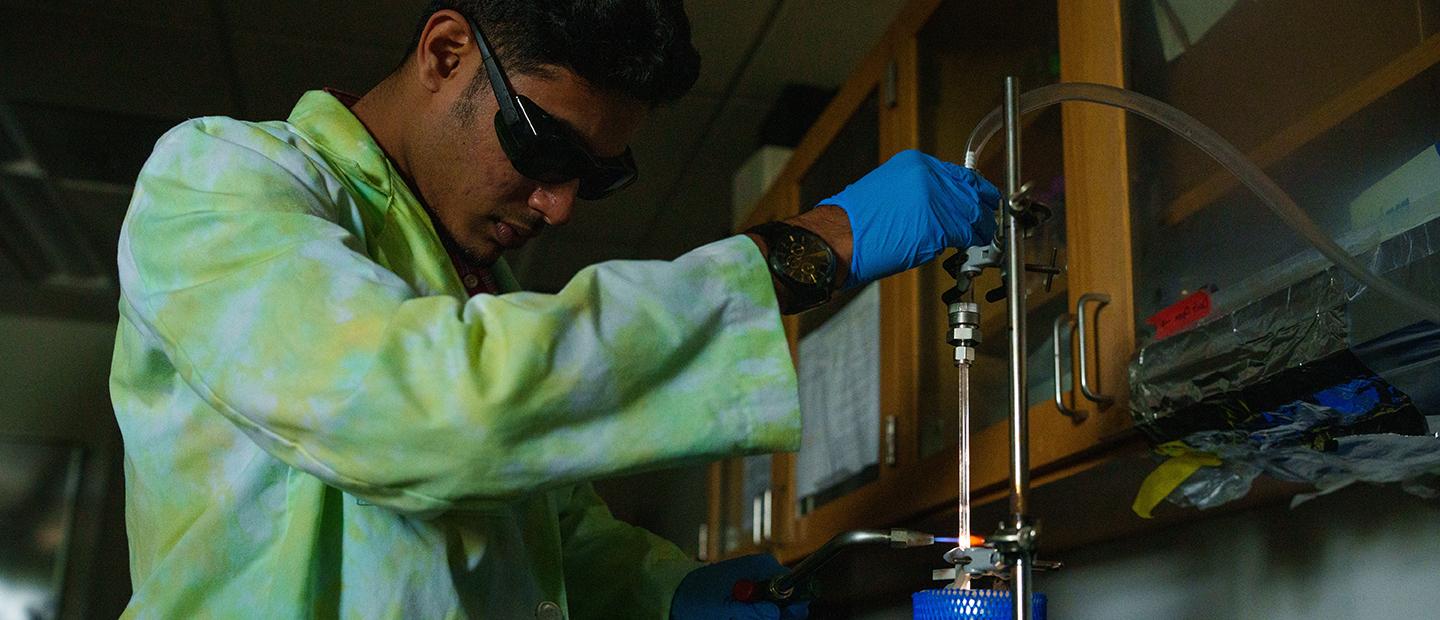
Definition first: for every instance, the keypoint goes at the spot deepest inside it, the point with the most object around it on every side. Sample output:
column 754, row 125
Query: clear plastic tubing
column 1226, row 154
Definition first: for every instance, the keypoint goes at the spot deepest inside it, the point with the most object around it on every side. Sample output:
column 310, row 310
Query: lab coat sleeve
column 614, row 569
column 232, row 259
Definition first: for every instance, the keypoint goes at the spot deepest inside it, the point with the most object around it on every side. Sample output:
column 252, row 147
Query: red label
column 1180, row 315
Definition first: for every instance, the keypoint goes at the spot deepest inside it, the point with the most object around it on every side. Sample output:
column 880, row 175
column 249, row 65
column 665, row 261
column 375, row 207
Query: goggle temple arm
column 499, row 82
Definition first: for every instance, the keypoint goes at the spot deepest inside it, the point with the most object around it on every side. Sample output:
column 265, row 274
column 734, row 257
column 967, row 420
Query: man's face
column 466, row 179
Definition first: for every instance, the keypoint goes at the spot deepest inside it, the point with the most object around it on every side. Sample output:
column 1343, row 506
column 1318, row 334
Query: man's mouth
column 511, row 236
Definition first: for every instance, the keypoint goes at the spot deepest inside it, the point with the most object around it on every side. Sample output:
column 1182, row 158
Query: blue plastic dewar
column 956, row 604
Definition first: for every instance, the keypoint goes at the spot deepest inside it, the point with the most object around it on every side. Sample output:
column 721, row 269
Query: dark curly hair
column 635, row 48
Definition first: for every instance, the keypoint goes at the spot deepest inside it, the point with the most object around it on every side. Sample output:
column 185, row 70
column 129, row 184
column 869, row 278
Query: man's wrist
column 782, row 294
column 832, row 226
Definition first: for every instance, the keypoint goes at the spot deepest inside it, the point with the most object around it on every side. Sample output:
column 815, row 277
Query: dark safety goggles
column 544, row 148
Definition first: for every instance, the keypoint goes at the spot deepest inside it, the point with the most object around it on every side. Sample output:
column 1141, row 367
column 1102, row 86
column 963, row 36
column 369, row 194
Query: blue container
column 956, row 604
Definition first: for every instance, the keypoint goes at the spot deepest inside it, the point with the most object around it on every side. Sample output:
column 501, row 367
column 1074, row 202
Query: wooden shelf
column 1324, row 118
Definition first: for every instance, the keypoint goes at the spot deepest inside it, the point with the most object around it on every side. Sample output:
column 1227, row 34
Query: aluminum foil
column 1318, row 380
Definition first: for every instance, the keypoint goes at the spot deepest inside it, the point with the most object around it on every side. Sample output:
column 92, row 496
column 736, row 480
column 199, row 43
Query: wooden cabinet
column 1329, row 96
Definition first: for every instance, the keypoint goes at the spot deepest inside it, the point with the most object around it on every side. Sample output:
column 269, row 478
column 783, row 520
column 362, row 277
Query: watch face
column 804, row 260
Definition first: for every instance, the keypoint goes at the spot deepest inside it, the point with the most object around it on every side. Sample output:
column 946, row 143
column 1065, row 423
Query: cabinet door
column 1331, row 97
column 837, row 352
column 838, row 344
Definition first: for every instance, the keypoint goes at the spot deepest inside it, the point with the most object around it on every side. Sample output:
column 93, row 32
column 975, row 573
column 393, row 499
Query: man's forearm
column 831, row 224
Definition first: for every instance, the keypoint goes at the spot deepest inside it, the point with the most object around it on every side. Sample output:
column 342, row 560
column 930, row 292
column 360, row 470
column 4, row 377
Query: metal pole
column 1015, row 287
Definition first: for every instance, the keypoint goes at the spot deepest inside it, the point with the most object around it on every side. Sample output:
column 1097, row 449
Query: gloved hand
column 704, row 594
column 906, row 212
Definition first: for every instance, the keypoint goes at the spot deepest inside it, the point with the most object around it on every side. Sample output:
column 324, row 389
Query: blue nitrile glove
column 906, row 212
column 704, row 594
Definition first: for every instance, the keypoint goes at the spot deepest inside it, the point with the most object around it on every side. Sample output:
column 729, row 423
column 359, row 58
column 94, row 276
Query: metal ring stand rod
column 1021, row 584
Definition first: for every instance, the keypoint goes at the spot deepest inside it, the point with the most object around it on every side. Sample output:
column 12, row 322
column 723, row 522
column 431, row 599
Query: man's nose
column 555, row 202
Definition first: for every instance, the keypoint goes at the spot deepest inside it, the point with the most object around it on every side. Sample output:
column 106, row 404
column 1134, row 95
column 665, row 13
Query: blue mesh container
column 956, row 604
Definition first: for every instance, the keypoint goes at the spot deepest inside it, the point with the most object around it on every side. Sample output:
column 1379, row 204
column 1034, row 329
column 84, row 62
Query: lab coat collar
column 323, row 117
column 333, row 128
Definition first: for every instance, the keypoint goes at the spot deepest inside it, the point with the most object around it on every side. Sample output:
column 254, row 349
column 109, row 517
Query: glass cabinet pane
column 754, row 506
column 744, row 489
column 1339, row 101
column 961, row 80
column 854, row 152
column 839, row 347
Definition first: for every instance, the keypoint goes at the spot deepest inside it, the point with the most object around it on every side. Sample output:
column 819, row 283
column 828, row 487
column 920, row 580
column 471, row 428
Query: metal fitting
column 967, row 335
column 964, row 355
column 905, row 539
column 964, row 313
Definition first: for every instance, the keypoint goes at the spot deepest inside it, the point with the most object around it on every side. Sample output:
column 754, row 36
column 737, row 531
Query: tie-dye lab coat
column 319, row 423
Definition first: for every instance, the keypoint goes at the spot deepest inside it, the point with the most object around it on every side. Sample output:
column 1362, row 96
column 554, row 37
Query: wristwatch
column 801, row 262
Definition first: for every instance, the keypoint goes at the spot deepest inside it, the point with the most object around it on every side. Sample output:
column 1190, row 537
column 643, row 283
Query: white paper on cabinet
column 839, row 375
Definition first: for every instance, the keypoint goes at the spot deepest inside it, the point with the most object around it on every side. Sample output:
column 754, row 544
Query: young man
column 335, row 401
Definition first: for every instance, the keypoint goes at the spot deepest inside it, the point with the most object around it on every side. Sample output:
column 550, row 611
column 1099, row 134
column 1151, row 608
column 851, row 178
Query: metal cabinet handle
column 756, row 517
column 760, row 518
column 702, row 543
column 1068, row 323
column 1101, row 301
column 769, row 517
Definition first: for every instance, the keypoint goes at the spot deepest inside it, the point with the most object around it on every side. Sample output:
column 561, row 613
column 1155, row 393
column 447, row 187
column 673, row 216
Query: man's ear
column 445, row 42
